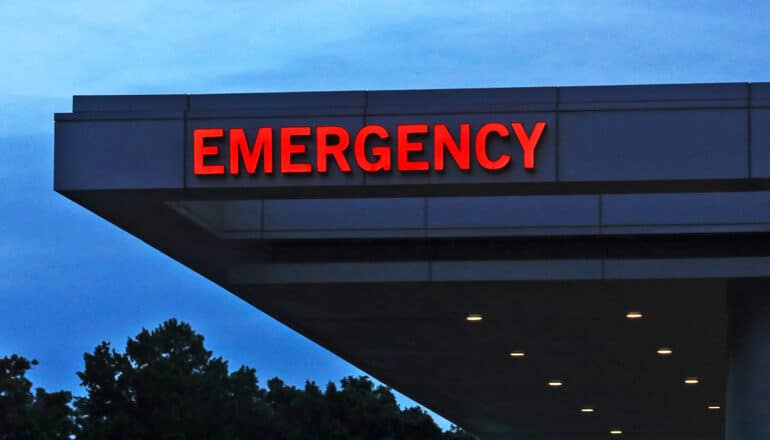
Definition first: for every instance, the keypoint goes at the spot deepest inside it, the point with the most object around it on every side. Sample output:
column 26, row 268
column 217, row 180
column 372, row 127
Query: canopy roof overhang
column 643, row 198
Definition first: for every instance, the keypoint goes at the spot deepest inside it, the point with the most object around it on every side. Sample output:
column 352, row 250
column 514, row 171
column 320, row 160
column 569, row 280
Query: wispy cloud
column 194, row 46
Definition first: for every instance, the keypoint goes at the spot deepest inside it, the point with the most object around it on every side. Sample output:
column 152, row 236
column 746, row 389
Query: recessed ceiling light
column 586, row 410
column 474, row 317
column 616, row 432
column 665, row 351
column 517, row 354
column 634, row 315
column 555, row 383
column 714, row 407
column 691, row 380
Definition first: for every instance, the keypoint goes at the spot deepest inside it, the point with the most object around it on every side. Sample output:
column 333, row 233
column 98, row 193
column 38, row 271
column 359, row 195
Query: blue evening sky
column 69, row 279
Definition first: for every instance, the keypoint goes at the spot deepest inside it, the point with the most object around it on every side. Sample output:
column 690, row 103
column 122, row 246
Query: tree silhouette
column 167, row 385
column 23, row 416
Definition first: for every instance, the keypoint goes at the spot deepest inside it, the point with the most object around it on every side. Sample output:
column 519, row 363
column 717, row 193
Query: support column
column 748, row 345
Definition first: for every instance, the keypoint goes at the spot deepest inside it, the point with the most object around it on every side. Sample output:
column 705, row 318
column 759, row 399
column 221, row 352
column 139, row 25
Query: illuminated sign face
column 374, row 148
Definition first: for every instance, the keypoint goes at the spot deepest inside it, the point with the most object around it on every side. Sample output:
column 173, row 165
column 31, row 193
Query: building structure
column 531, row 263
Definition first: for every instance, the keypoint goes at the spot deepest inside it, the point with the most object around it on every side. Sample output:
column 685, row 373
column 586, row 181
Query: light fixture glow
column 665, row 351
column 517, row 354
column 634, row 315
column 555, row 383
column 474, row 317
column 691, row 380
column 586, row 410
column 616, row 432
column 714, row 407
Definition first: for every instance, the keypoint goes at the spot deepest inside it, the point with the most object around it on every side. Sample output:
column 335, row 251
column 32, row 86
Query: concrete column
column 748, row 345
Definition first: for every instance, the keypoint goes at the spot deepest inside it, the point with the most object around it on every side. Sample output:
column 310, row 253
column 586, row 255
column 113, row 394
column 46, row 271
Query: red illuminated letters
column 381, row 152
column 405, row 146
column 201, row 150
column 481, row 146
column 528, row 143
column 305, row 149
column 239, row 149
column 442, row 140
column 336, row 150
column 288, row 149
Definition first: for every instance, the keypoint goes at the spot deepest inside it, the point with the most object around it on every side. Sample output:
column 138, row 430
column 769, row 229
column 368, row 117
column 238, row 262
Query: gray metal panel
column 529, row 270
column 519, row 231
column 242, row 215
column 760, row 142
column 129, row 103
column 328, row 273
column 685, row 229
column 119, row 115
column 118, row 155
column 334, row 177
column 461, row 100
column 513, row 270
column 653, row 145
column 748, row 333
column 545, row 153
column 723, row 208
column 343, row 234
column 653, row 96
column 342, row 214
column 760, row 94
column 513, row 211
column 205, row 213
column 278, row 104
column 654, row 268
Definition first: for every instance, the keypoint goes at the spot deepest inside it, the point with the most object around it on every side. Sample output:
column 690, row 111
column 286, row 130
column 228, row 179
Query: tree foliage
column 23, row 415
column 167, row 385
